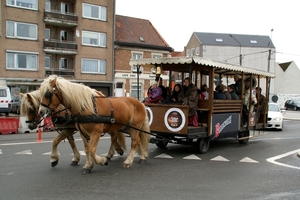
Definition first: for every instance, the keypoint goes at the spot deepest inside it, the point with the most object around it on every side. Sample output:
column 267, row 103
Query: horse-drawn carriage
column 92, row 114
column 217, row 118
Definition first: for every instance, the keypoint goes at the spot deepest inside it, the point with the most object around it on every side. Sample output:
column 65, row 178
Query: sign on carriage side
column 174, row 119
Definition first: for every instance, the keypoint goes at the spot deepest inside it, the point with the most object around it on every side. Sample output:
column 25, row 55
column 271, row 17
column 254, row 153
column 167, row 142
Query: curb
column 294, row 119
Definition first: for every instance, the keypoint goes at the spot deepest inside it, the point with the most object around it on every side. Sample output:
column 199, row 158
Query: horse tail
column 144, row 137
column 121, row 140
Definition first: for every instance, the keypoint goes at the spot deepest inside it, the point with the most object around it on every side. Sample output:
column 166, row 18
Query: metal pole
column 241, row 56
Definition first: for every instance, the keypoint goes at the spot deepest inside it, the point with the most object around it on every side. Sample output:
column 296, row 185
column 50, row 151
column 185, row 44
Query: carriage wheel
column 202, row 145
column 162, row 144
column 295, row 108
column 244, row 134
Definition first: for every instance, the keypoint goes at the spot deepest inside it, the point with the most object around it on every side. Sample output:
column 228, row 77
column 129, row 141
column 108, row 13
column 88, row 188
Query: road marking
column 219, row 158
column 0, row 151
column 192, row 157
column 26, row 152
column 47, row 141
column 82, row 153
column 248, row 160
column 273, row 159
column 49, row 153
column 163, row 156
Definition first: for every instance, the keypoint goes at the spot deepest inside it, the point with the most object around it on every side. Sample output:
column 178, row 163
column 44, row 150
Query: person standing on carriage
column 189, row 96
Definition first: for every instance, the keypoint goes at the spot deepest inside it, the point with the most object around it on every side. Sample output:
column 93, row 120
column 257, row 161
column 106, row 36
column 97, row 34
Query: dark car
column 15, row 104
column 292, row 104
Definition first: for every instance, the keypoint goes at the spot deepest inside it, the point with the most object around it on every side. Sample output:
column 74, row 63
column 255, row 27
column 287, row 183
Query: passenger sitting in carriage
column 154, row 93
column 189, row 96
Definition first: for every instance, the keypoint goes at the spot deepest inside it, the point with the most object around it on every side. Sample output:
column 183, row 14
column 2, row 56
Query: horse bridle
column 48, row 95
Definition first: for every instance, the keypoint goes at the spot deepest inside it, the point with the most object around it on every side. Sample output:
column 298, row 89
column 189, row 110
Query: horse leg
column 54, row 153
column 76, row 157
column 144, row 140
column 94, row 139
column 117, row 143
column 87, row 168
column 135, row 140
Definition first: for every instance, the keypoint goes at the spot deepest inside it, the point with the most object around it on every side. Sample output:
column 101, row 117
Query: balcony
column 57, row 18
column 60, row 72
column 60, row 47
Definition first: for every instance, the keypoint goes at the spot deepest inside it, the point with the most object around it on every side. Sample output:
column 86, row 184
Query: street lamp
column 240, row 48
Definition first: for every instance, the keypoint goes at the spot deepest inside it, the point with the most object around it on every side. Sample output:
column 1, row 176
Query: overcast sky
column 177, row 21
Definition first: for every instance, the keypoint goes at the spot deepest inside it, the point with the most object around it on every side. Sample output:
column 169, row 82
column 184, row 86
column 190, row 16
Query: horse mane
column 30, row 100
column 77, row 96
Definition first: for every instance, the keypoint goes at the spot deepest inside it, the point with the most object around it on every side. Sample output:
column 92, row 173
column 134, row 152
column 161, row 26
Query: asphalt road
column 266, row 168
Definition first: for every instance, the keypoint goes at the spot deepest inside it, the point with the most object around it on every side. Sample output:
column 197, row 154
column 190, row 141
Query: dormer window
column 253, row 41
column 219, row 40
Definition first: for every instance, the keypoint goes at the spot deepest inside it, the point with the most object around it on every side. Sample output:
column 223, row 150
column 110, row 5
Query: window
column 47, row 34
column 48, row 5
column 156, row 55
column 94, row 12
column 21, row 30
column 198, row 51
column 192, row 52
column 29, row 4
column 63, row 63
column 93, row 38
column 219, row 40
column 63, row 35
column 93, row 66
column 135, row 90
column 253, row 41
column 21, row 60
column 187, row 53
column 136, row 56
column 64, row 8
column 47, row 62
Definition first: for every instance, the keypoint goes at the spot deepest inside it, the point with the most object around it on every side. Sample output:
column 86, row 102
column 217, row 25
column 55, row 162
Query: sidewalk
column 290, row 115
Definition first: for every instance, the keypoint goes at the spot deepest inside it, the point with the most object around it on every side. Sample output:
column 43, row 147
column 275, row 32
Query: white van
column 5, row 100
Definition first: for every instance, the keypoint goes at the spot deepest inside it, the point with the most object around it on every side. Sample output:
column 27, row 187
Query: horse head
column 51, row 96
column 29, row 108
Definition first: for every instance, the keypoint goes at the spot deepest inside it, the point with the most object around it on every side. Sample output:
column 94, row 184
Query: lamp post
column 240, row 48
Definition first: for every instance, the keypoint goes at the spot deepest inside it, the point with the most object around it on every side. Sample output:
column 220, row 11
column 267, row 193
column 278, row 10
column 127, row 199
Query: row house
column 137, row 39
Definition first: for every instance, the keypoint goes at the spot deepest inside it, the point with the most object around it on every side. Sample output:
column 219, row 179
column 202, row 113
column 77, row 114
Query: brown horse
column 96, row 114
column 29, row 107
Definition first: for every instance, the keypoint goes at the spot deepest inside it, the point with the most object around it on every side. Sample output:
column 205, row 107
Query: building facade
column 137, row 39
column 253, row 51
column 68, row 38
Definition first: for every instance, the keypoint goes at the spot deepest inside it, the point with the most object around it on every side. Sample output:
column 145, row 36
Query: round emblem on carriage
column 174, row 119
column 150, row 115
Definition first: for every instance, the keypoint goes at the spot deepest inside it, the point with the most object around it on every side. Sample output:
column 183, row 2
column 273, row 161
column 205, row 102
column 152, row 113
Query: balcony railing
column 60, row 47
column 60, row 19
column 59, row 72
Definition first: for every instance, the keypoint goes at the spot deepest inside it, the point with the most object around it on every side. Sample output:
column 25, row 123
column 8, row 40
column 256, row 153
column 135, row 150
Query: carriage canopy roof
column 198, row 63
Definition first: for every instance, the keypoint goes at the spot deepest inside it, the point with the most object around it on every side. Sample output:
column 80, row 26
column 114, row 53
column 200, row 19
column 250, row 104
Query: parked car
column 293, row 104
column 5, row 100
column 275, row 118
column 15, row 104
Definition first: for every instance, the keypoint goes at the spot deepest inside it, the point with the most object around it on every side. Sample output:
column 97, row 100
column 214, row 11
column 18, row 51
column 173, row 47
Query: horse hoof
column 143, row 161
column 106, row 163
column 108, row 158
column 120, row 151
column 74, row 163
column 53, row 164
column 86, row 171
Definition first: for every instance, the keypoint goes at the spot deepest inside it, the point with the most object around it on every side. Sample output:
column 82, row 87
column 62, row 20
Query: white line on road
column 37, row 142
column 273, row 159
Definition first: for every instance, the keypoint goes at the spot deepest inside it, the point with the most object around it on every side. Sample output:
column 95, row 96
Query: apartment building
column 69, row 38
column 137, row 39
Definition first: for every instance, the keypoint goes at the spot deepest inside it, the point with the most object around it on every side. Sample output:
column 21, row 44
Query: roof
column 181, row 63
column 284, row 66
column 226, row 39
column 130, row 30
